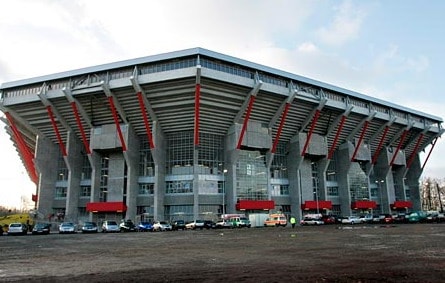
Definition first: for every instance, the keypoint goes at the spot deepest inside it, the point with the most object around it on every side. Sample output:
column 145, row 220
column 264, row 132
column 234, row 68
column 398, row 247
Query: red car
column 328, row 219
column 387, row 219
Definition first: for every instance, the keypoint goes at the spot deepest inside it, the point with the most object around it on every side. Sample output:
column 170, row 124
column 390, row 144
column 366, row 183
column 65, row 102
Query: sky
column 392, row 50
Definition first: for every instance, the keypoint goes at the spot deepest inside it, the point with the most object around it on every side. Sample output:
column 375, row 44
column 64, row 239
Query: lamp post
column 224, row 192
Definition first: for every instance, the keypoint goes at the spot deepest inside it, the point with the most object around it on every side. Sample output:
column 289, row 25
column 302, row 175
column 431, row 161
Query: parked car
column 240, row 222
column 328, row 219
column 67, row 228
column 127, row 226
column 223, row 224
column 386, row 219
column 311, row 221
column 89, row 227
column 401, row 218
column 41, row 228
column 209, row 224
column 351, row 220
column 162, row 226
column 145, row 226
column 17, row 229
column 417, row 217
column 110, row 226
column 367, row 218
column 178, row 225
column 197, row 224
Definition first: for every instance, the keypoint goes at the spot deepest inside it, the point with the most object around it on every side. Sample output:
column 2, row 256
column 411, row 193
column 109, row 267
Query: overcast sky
column 393, row 50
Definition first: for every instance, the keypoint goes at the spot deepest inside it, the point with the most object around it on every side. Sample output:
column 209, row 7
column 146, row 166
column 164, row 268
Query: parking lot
column 329, row 253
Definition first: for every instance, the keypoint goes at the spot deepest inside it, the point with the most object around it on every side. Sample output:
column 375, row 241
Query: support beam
column 280, row 128
column 145, row 118
column 116, row 103
column 337, row 135
column 197, row 105
column 357, row 146
column 246, row 120
column 253, row 92
column 282, row 110
column 311, row 130
column 56, row 130
column 415, row 151
column 320, row 106
column 338, row 120
column 399, row 146
column 79, row 107
column 380, row 145
column 28, row 156
column 116, row 122
column 429, row 153
column 81, row 129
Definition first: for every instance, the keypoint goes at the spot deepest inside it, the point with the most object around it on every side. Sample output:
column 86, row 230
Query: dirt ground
column 360, row 253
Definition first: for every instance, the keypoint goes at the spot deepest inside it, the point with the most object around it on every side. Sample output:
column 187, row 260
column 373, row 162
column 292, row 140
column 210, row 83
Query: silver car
column 110, row 226
column 67, row 228
column 17, row 229
column 162, row 226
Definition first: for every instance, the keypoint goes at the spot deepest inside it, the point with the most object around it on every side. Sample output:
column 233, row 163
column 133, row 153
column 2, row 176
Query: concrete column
column 95, row 162
column 412, row 181
column 295, row 176
column 159, row 158
column 74, row 161
column 195, row 184
column 46, row 157
column 343, row 167
column 384, row 177
column 132, row 160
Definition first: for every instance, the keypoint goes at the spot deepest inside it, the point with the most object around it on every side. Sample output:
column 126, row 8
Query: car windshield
column 15, row 225
column 111, row 223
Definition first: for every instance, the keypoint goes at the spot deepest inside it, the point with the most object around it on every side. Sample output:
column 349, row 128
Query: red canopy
column 363, row 204
column 116, row 206
column 255, row 204
column 401, row 204
column 312, row 204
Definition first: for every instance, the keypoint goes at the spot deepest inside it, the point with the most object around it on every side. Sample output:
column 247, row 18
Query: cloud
column 345, row 26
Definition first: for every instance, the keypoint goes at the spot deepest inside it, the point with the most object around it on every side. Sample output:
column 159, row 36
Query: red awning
column 401, row 204
column 312, row 204
column 363, row 204
column 116, row 206
column 255, row 204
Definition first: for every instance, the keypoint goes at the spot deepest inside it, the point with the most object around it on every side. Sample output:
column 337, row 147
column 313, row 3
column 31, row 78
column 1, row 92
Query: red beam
column 24, row 150
column 309, row 135
column 116, row 121
column 379, row 147
column 337, row 135
column 357, row 146
column 197, row 102
column 56, row 130
column 145, row 118
column 398, row 147
column 246, row 119
column 411, row 158
column 280, row 128
column 79, row 124
column 429, row 153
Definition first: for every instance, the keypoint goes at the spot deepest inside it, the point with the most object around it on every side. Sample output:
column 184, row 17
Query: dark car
column 145, row 226
column 89, row 227
column 328, row 219
column 178, row 225
column 386, row 219
column 41, row 228
column 208, row 224
column 127, row 226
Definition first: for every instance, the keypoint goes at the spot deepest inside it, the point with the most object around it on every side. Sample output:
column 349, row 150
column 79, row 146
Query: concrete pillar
column 343, row 167
column 295, row 176
column 159, row 158
column 412, row 181
column 46, row 157
column 74, row 161
column 132, row 160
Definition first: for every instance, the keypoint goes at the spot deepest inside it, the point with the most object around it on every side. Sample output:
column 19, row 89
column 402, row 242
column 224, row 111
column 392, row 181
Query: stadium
column 195, row 134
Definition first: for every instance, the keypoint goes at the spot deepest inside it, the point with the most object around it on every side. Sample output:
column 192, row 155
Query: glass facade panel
column 146, row 189
column 146, row 163
column 279, row 163
column 358, row 182
column 180, row 153
column 251, row 173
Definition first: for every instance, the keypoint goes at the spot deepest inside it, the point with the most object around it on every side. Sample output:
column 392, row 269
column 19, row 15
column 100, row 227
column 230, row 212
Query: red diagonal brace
column 309, row 135
column 56, row 130
column 357, row 146
column 24, row 149
column 379, row 147
column 116, row 121
column 197, row 104
column 337, row 135
column 280, row 128
column 246, row 119
column 145, row 118
column 416, row 147
column 429, row 153
column 398, row 147
column 81, row 129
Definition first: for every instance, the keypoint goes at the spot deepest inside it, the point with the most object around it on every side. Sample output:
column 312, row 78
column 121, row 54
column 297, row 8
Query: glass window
column 179, row 187
column 60, row 192
column 85, row 191
column 146, row 163
column 146, row 189
column 251, row 171
column 279, row 163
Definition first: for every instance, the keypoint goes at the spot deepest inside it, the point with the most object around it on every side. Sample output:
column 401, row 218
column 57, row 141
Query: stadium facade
column 195, row 134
